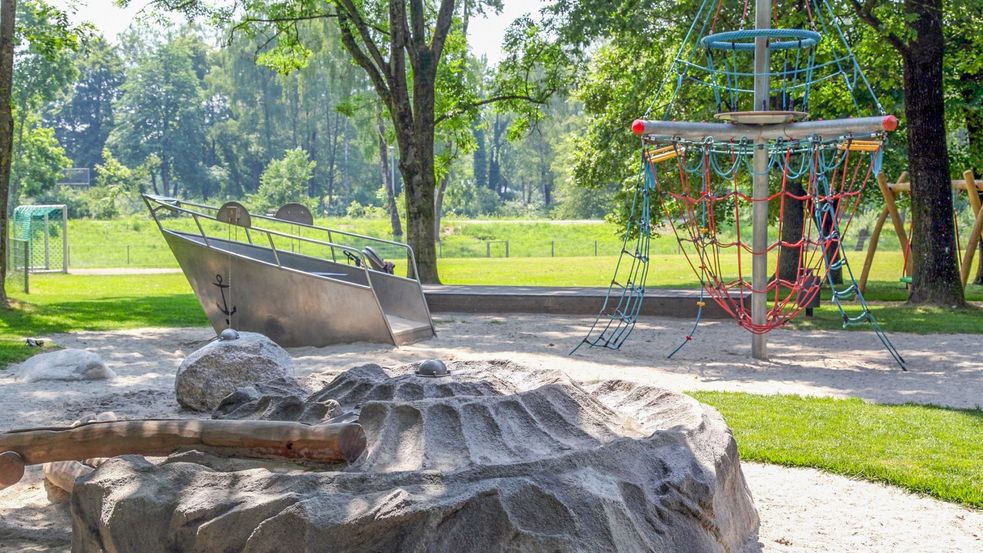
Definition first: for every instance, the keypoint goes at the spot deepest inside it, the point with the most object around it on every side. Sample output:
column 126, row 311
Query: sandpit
column 794, row 504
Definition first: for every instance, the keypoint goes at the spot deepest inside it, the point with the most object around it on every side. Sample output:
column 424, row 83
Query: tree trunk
column 165, row 177
column 7, row 14
column 788, row 265
column 935, row 276
column 420, row 184
column 388, row 181
column 438, row 208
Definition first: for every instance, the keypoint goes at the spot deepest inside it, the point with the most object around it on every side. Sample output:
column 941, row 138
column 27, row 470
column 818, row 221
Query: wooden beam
column 325, row 443
column 871, row 249
column 974, row 236
column 11, row 468
column 892, row 207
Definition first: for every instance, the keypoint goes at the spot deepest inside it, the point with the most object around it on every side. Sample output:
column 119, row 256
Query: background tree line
column 189, row 111
column 177, row 111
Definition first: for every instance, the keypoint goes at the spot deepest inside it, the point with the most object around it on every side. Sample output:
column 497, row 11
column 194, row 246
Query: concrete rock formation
column 282, row 399
column 494, row 457
column 222, row 367
column 64, row 364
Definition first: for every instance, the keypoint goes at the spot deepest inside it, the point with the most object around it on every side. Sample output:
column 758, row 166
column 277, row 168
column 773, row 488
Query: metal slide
column 289, row 279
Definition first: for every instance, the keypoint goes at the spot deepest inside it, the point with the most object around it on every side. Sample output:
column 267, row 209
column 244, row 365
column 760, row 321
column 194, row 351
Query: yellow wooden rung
column 662, row 154
column 860, row 145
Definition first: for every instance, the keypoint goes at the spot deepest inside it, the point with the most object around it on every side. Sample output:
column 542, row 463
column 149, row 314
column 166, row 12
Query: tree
column 49, row 41
column 83, row 118
column 935, row 277
column 284, row 181
column 400, row 47
column 387, row 180
column 7, row 9
column 161, row 112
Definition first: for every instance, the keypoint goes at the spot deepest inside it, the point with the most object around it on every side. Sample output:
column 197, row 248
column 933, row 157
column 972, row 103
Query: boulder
column 493, row 457
column 65, row 364
column 223, row 366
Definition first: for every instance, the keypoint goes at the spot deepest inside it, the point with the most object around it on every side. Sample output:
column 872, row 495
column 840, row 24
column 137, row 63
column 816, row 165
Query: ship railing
column 331, row 233
column 173, row 205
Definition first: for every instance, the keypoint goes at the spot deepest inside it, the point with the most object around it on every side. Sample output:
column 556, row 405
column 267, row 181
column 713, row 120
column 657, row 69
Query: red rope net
column 704, row 190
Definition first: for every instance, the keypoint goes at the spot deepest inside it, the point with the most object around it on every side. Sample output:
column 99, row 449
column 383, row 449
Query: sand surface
column 800, row 509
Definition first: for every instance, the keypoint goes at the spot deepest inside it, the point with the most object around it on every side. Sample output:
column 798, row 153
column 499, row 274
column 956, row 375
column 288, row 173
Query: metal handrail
column 330, row 231
column 196, row 214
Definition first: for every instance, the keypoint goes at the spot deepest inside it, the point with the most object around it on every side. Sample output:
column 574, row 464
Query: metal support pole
column 759, row 187
column 47, row 246
column 64, row 239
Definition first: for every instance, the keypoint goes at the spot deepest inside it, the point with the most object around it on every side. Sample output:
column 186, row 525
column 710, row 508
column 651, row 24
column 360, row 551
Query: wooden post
column 871, row 249
column 324, row 443
column 892, row 207
column 974, row 237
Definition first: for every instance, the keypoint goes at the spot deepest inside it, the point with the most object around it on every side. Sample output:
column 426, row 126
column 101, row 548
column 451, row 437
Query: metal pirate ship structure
column 756, row 152
column 298, row 283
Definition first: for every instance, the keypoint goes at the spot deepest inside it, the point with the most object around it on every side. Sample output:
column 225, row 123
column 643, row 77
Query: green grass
column 921, row 448
column 66, row 303
column 135, row 240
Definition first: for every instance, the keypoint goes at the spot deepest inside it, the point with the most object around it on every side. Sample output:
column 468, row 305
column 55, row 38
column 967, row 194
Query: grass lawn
column 924, row 449
column 65, row 303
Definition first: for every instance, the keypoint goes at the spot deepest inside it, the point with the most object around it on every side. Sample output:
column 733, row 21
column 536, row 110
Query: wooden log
column 889, row 201
column 325, row 443
column 974, row 238
column 11, row 468
column 872, row 249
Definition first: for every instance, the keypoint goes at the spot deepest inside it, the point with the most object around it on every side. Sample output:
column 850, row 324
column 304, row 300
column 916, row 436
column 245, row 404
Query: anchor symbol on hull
column 224, row 308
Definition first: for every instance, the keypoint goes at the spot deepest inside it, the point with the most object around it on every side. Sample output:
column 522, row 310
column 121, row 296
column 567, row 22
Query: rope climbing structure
column 763, row 164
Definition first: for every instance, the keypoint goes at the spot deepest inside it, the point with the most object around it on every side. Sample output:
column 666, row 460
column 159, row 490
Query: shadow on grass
column 24, row 320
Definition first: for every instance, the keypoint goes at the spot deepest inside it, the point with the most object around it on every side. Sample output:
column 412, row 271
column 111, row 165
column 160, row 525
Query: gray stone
column 493, row 457
column 282, row 399
column 221, row 367
column 64, row 364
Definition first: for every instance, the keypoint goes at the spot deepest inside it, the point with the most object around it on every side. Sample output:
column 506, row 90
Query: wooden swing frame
column 890, row 193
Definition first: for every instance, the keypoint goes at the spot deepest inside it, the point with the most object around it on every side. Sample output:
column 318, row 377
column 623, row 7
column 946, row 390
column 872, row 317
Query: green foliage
column 921, row 448
column 40, row 159
column 83, row 117
column 284, row 181
column 160, row 113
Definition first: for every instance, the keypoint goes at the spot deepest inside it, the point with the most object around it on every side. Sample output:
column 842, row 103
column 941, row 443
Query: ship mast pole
column 759, row 189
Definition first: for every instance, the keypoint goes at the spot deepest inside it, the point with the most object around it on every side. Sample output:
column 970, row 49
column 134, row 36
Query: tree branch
column 463, row 108
column 866, row 12
column 445, row 16
column 362, row 59
column 355, row 17
column 417, row 25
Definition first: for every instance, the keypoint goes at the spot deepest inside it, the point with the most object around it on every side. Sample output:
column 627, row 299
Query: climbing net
column 704, row 188
column 700, row 176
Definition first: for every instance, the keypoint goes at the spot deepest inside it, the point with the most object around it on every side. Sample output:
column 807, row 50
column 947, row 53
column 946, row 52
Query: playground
column 727, row 365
